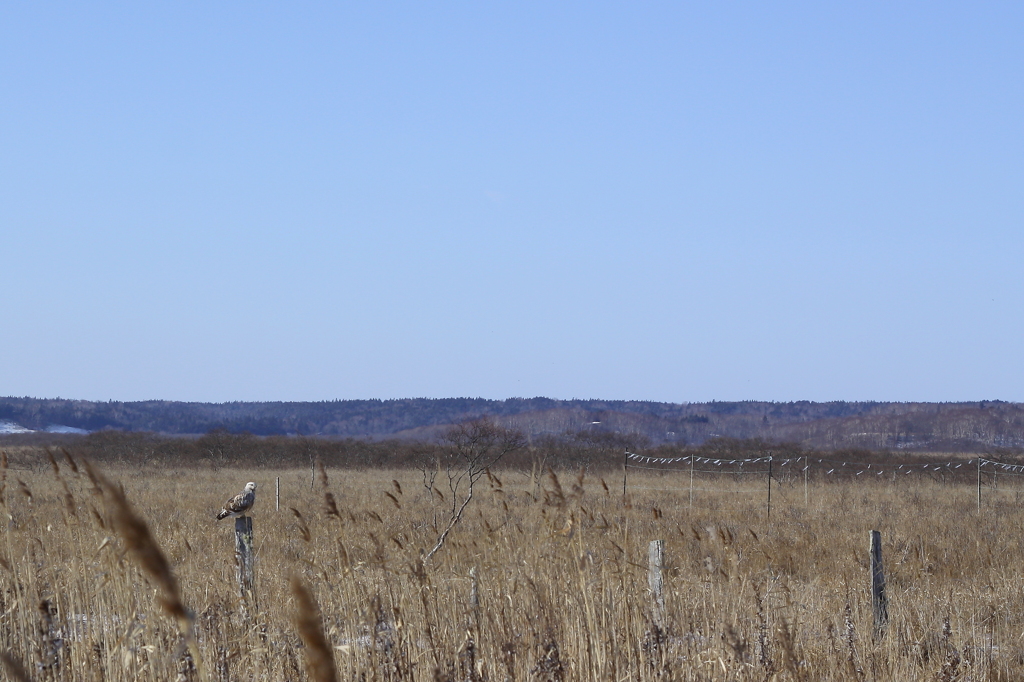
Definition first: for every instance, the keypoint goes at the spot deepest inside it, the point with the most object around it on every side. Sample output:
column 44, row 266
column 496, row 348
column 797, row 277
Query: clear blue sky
column 675, row 202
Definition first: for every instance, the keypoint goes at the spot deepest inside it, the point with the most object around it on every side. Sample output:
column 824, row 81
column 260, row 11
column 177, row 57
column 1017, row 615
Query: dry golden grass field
column 546, row 578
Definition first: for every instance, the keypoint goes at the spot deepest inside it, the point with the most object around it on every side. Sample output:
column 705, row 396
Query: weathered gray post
column 979, row 485
column 879, row 602
column 244, row 559
column 474, row 597
column 655, row 562
column 278, row 493
column 625, row 467
column 768, row 516
column 806, row 467
column 691, row 481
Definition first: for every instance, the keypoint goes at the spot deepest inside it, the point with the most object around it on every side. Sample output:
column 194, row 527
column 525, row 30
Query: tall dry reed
column 545, row 578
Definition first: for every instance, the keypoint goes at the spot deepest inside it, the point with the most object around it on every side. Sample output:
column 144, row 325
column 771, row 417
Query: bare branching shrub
column 468, row 451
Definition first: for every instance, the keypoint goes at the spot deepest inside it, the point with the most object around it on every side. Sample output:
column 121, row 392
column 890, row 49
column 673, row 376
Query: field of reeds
column 123, row 574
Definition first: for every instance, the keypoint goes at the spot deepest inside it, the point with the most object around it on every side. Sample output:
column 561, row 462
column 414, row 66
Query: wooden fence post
column 244, row 559
column 979, row 485
column 655, row 562
column 474, row 598
column 879, row 602
column 278, row 493
column 768, row 516
column 691, row 481
column 807, row 466
column 625, row 467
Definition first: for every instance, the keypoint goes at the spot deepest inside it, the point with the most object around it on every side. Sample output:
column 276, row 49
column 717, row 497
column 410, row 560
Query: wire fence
column 743, row 472
column 817, row 466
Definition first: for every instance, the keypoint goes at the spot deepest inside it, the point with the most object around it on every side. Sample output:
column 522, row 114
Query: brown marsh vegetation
column 545, row 578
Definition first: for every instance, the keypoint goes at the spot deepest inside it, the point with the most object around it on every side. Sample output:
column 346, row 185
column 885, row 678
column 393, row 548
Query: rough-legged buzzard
column 240, row 503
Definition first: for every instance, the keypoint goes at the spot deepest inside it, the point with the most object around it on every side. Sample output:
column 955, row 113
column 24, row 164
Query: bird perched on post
column 240, row 503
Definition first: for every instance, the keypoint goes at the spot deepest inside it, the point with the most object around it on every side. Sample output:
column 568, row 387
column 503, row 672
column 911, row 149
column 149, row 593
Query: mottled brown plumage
column 239, row 504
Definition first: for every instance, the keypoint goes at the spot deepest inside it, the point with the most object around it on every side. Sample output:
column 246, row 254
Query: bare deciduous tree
column 468, row 450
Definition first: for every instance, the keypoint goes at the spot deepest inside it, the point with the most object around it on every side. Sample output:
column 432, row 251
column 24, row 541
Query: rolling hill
column 872, row 425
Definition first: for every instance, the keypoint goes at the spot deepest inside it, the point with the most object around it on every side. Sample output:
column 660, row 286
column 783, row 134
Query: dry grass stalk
column 319, row 657
column 740, row 603
column 144, row 548
column 14, row 668
column 137, row 538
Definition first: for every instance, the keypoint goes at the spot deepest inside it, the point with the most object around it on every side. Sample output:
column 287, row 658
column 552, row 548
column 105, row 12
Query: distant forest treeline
column 966, row 427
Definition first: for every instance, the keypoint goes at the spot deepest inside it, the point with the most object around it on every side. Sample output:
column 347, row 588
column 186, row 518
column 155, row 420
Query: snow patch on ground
column 11, row 427
column 60, row 428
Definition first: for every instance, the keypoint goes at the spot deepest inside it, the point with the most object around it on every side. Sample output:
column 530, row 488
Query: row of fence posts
column 768, row 505
column 655, row 565
column 655, row 577
column 879, row 601
column 768, row 514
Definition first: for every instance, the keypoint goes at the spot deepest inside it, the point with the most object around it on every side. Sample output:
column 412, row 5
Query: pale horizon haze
column 674, row 202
